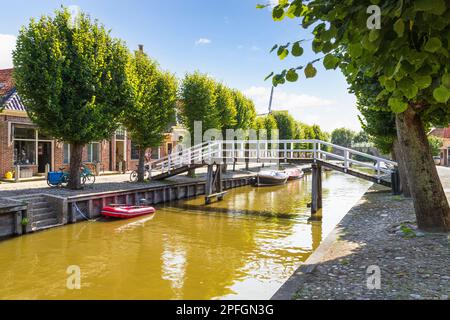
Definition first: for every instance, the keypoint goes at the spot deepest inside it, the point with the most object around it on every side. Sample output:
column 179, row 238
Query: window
column 120, row 134
column 66, row 150
column 24, row 152
column 24, row 133
column 93, row 151
column 24, row 138
column 134, row 151
column 155, row 153
column 169, row 148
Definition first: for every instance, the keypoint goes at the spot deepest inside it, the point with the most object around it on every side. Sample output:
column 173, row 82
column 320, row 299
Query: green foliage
column 198, row 102
column 72, row 80
column 226, row 107
column 342, row 137
column 154, row 101
column 436, row 144
column 246, row 112
column 409, row 55
column 286, row 125
column 267, row 123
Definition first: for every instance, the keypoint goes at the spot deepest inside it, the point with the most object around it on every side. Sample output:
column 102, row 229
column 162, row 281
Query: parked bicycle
column 134, row 174
column 61, row 178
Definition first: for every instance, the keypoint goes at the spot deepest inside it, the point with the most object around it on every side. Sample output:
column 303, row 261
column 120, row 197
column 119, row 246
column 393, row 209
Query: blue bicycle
column 61, row 178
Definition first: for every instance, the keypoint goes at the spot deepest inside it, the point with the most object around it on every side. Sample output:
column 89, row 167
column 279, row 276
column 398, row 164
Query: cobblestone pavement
column 381, row 231
column 102, row 184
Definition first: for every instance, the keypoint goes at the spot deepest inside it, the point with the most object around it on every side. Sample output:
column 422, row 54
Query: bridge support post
column 214, row 185
column 395, row 182
column 316, row 203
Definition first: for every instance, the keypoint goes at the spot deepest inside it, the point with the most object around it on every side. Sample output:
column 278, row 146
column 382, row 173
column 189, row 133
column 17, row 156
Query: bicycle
column 87, row 176
column 61, row 178
column 134, row 174
column 58, row 178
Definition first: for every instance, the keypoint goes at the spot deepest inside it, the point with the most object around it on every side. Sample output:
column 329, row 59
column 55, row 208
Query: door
column 120, row 154
column 44, row 156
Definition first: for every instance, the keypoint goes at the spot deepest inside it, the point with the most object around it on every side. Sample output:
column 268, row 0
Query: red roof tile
column 6, row 81
column 441, row 133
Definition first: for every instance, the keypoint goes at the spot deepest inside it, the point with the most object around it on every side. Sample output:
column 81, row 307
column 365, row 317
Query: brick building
column 444, row 134
column 22, row 144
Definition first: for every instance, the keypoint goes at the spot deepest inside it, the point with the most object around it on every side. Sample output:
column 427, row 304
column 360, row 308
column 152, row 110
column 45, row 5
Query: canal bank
column 379, row 232
column 25, row 210
column 244, row 247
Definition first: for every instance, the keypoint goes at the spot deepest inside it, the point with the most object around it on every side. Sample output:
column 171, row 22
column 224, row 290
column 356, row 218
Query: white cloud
column 294, row 103
column 329, row 114
column 7, row 45
column 203, row 41
column 255, row 48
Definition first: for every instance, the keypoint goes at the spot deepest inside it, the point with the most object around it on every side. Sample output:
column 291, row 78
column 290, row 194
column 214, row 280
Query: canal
column 242, row 248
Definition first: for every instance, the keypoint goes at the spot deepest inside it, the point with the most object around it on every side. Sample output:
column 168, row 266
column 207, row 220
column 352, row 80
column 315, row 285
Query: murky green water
column 242, row 248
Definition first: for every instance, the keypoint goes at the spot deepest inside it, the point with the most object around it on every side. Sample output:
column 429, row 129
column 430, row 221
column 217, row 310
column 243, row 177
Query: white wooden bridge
column 315, row 152
column 280, row 151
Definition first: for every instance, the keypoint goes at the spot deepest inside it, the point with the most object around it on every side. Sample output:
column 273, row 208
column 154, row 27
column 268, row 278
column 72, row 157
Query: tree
column 246, row 112
column 265, row 125
column 198, row 103
column 226, row 108
column 285, row 124
column 435, row 145
column 72, row 80
column 153, row 108
column 198, row 95
column 342, row 137
column 409, row 57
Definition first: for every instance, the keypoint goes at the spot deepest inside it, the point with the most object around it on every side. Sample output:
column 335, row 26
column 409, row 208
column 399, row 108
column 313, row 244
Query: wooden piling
column 316, row 203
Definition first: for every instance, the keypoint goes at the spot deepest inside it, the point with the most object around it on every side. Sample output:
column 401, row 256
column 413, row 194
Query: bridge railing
column 273, row 150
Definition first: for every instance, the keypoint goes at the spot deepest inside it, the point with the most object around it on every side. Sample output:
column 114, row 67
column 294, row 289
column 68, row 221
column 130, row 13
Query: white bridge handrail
column 259, row 150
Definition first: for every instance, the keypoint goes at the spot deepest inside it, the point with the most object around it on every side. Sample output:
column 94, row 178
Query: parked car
column 437, row 160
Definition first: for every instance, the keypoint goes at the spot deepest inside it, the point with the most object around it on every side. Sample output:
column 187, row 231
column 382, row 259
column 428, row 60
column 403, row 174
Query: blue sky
column 230, row 40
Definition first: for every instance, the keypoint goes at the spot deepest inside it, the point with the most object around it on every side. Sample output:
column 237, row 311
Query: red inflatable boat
column 294, row 174
column 126, row 211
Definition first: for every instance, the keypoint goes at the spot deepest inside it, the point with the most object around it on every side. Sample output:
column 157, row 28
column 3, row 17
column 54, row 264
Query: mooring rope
column 82, row 214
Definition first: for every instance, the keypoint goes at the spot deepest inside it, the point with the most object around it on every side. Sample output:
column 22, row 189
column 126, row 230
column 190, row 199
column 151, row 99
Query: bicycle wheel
column 89, row 179
column 64, row 180
column 134, row 176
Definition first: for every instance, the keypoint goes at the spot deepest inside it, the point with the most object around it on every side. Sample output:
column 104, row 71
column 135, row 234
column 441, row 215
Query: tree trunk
column 76, row 158
column 141, row 165
column 398, row 156
column 430, row 201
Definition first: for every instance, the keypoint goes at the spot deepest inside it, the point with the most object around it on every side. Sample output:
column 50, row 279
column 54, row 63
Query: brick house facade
column 22, row 144
column 444, row 134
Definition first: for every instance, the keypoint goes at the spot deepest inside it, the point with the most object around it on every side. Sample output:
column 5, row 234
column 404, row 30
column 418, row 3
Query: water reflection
column 243, row 247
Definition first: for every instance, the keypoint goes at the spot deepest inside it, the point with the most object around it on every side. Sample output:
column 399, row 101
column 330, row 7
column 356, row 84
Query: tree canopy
column 72, row 80
column 408, row 55
column 154, row 98
column 342, row 137
column 404, row 46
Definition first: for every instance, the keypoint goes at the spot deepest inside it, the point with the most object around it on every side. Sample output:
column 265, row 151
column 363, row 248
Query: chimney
column 141, row 48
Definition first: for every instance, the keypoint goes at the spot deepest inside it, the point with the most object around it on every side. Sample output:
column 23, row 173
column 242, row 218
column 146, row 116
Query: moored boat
column 271, row 178
column 125, row 211
column 294, row 173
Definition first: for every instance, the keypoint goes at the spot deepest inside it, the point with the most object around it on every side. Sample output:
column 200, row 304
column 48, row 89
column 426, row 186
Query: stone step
column 39, row 225
column 44, row 216
column 40, row 205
